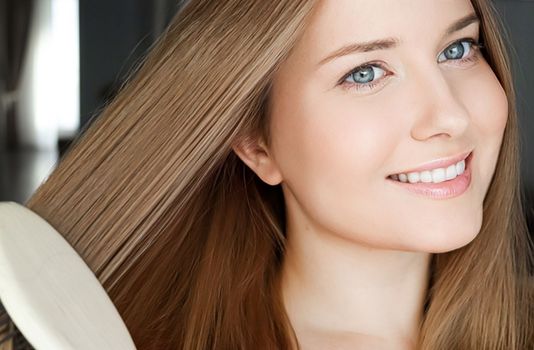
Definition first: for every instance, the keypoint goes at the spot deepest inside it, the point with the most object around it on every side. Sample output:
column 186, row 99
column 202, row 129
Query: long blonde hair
column 188, row 241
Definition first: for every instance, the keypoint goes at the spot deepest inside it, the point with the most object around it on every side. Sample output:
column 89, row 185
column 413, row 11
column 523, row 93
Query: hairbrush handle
column 51, row 295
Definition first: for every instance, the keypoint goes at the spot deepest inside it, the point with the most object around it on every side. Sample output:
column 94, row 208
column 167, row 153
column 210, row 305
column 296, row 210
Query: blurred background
column 61, row 60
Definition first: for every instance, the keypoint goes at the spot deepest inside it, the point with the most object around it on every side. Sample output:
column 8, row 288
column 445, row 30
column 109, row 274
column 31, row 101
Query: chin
column 446, row 241
column 448, row 236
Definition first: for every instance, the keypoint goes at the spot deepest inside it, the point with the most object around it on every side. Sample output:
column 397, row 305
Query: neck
column 335, row 285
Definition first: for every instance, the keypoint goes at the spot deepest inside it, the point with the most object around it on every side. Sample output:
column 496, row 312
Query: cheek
column 335, row 142
column 488, row 105
column 332, row 153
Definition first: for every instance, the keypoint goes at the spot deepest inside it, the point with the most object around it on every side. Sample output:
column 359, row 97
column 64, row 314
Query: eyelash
column 475, row 46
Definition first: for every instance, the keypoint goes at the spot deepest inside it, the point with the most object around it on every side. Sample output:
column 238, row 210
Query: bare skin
column 356, row 268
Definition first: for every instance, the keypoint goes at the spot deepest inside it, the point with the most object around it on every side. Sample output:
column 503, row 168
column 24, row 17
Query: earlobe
column 257, row 158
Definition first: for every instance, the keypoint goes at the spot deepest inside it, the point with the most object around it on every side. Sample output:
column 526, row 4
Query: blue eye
column 368, row 75
column 456, row 50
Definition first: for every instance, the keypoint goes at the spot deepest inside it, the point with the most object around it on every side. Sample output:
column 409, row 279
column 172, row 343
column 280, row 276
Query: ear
column 255, row 155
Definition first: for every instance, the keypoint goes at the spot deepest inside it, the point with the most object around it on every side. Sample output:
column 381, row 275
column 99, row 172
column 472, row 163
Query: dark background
column 114, row 36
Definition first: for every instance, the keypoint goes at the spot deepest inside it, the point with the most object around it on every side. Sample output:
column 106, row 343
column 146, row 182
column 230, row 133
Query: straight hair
column 188, row 242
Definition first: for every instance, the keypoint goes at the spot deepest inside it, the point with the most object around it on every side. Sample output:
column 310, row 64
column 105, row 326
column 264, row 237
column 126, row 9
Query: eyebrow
column 392, row 42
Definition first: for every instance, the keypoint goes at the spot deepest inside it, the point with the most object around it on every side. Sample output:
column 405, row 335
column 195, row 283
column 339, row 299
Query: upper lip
column 438, row 163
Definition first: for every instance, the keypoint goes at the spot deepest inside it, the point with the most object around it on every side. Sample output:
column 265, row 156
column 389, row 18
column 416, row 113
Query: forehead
column 335, row 23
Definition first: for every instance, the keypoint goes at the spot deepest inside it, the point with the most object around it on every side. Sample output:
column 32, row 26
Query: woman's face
column 337, row 136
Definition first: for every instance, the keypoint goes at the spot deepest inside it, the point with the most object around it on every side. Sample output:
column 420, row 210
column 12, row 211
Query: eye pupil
column 455, row 51
column 364, row 75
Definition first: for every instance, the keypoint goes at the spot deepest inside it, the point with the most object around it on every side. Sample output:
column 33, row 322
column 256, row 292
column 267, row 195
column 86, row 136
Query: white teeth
column 438, row 175
column 450, row 172
column 426, row 176
column 435, row 175
column 460, row 167
column 413, row 177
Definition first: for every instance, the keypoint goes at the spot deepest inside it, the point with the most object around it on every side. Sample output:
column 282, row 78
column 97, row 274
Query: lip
column 442, row 190
column 438, row 163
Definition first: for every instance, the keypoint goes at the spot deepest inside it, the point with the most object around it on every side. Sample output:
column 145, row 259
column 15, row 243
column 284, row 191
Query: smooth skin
column 356, row 268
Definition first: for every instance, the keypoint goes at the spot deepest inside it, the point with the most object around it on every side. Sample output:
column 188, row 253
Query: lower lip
column 442, row 190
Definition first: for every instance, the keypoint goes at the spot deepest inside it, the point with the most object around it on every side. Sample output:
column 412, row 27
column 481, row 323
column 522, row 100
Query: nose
column 439, row 109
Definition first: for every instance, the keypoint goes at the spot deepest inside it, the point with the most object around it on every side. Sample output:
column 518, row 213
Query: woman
column 259, row 184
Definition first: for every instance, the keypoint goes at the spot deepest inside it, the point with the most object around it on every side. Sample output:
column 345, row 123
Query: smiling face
column 338, row 131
